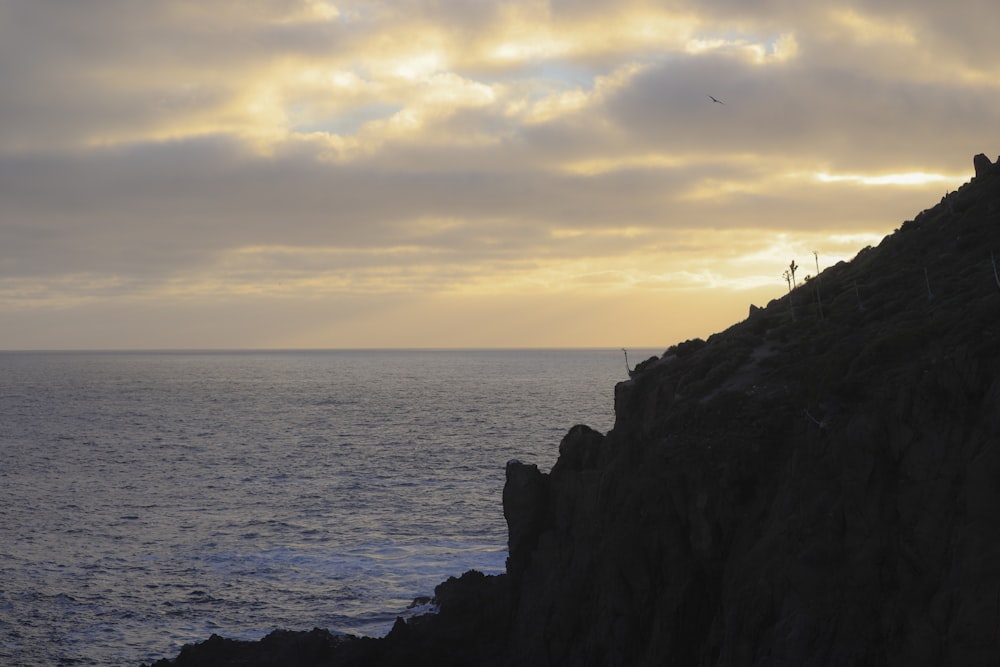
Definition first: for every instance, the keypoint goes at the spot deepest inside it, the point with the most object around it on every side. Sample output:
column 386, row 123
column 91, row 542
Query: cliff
column 817, row 485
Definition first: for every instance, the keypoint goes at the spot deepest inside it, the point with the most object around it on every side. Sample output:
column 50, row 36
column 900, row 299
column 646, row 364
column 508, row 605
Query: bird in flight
column 715, row 100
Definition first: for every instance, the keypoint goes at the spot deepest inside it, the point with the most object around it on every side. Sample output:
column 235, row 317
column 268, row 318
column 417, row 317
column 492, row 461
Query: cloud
column 281, row 151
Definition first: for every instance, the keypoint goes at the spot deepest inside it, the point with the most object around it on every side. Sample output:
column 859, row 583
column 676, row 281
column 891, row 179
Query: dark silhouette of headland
column 816, row 485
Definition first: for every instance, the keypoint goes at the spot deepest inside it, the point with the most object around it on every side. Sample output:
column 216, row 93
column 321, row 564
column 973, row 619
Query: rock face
column 982, row 164
column 817, row 486
column 823, row 490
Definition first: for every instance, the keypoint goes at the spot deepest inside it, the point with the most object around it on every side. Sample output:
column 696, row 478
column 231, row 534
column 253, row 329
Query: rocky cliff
column 817, row 485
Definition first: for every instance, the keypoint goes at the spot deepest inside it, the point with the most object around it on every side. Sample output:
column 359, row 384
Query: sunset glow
column 352, row 174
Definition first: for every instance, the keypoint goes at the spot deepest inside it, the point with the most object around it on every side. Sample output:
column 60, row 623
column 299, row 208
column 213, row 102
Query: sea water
column 148, row 500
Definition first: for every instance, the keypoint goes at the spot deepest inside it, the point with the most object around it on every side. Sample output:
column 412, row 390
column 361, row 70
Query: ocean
column 151, row 499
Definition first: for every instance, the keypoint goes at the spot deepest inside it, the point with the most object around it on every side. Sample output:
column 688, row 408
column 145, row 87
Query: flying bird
column 715, row 100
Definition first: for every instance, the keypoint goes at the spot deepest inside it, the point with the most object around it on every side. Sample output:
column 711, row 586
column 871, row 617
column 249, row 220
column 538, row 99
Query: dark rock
column 524, row 497
column 645, row 365
column 580, row 449
column 982, row 164
column 470, row 628
column 816, row 490
column 687, row 347
column 315, row 648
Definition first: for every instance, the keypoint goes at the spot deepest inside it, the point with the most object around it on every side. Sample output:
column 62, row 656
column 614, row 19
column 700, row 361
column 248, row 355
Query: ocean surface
column 151, row 499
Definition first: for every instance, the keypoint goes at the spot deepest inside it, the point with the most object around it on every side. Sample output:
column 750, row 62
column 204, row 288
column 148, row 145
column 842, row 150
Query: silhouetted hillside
column 819, row 484
column 816, row 485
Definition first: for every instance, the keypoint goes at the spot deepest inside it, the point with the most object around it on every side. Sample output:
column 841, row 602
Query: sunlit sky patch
column 912, row 178
column 337, row 174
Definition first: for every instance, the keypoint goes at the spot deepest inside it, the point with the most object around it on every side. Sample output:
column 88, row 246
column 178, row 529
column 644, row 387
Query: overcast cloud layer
column 300, row 173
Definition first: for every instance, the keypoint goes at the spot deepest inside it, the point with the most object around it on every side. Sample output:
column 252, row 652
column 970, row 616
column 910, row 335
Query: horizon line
column 204, row 350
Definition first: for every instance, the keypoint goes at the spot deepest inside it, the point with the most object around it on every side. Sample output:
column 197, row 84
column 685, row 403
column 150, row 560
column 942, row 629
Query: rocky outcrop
column 525, row 497
column 816, row 489
column 982, row 164
column 809, row 487
column 471, row 627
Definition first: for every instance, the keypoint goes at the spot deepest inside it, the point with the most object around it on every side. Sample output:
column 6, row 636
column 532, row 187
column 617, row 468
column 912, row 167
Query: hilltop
column 816, row 485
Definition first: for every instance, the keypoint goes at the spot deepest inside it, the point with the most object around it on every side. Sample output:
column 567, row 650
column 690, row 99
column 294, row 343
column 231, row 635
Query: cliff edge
column 816, row 485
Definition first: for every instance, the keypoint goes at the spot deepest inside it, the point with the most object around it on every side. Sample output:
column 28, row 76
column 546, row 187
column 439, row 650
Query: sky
column 462, row 173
